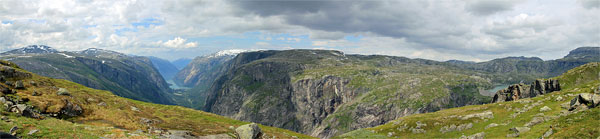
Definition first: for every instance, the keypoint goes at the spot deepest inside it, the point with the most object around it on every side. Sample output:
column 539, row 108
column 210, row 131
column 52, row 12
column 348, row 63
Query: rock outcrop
column 584, row 101
column 519, row 91
column 249, row 131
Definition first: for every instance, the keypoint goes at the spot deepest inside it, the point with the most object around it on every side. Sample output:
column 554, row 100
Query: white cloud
column 178, row 42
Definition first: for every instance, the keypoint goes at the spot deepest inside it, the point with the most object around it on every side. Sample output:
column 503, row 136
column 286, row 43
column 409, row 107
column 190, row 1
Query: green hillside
column 495, row 120
column 89, row 113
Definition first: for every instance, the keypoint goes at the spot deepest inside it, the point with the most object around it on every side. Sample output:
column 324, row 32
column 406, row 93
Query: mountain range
column 129, row 76
column 321, row 93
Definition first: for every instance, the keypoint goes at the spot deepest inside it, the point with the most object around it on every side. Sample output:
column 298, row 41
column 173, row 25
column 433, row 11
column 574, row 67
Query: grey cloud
column 488, row 7
column 590, row 4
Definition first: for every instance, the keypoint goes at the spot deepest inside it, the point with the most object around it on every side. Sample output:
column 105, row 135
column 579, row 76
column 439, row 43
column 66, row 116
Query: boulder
column 63, row 92
column 19, row 85
column 545, row 109
column 584, row 101
column 535, row 121
column 491, row 125
column 32, row 83
column 480, row 135
column 35, row 93
column 517, row 131
column 70, row 110
column 248, row 131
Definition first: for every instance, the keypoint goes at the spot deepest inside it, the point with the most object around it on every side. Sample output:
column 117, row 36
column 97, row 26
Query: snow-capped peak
column 231, row 52
column 33, row 49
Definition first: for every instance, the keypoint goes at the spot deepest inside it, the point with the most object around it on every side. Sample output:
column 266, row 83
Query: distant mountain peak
column 231, row 52
column 521, row 58
column 583, row 52
column 101, row 52
column 33, row 49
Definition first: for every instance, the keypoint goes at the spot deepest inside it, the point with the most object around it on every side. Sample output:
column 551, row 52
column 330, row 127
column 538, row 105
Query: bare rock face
column 513, row 92
column 518, row 91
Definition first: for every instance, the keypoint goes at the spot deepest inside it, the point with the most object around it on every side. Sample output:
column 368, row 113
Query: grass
column 579, row 125
column 116, row 119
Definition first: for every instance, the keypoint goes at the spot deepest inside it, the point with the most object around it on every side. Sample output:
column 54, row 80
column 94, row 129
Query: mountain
column 527, row 69
column 164, row 67
column 181, row 63
column 32, row 49
column 200, row 74
column 324, row 93
column 584, row 52
column 327, row 93
column 571, row 112
column 40, row 107
column 128, row 76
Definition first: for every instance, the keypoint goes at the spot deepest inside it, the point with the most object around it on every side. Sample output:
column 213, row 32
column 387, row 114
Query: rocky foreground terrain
column 34, row 106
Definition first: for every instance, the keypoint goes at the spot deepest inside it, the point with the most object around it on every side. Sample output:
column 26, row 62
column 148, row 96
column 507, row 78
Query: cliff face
column 520, row 91
column 325, row 93
column 164, row 67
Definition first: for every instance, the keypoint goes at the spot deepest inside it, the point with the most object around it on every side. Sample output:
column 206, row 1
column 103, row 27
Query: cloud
column 456, row 29
column 589, row 4
column 488, row 7
column 178, row 42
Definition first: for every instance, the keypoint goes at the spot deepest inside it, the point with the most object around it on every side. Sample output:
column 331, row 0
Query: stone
column 464, row 126
column 35, row 93
column 584, row 101
column 491, row 125
column 248, row 131
column 390, row 134
column 417, row 131
column 480, row 135
column 9, row 83
column 548, row 133
column 217, row 136
column 31, row 132
column 63, row 92
column 483, row 115
column 559, row 98
column 134, row 108
column 13, row 130
column 70, row 110
column 178, row 134
column 32, row 83
column 545, row 109
column 103, row 104
column 19, row 85
column 520, row 129
column 535, row 121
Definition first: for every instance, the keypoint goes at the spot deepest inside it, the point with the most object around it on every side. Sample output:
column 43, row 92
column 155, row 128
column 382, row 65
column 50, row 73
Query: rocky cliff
column 520, row 91
column 325, row 93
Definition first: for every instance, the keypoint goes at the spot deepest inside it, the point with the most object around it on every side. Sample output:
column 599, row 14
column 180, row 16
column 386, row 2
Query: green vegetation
column 107, row 115
column 583, row 124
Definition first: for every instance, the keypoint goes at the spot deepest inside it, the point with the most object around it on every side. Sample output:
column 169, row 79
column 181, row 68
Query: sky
column 472, row 30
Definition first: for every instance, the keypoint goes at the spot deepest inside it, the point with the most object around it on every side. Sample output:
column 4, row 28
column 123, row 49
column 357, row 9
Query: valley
column 320, row 93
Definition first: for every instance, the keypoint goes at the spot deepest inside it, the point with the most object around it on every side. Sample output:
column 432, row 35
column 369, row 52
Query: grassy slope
column 583, row 124
column 116, row 119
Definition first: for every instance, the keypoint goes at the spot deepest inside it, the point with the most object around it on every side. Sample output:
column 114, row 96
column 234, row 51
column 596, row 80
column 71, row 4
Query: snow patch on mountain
column 231, row 52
